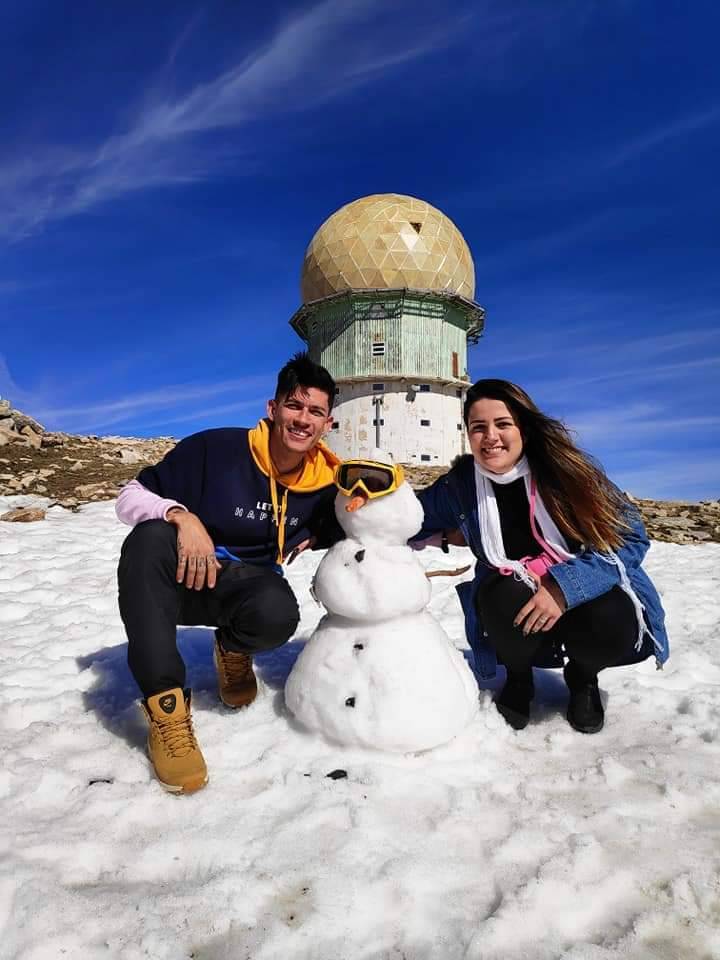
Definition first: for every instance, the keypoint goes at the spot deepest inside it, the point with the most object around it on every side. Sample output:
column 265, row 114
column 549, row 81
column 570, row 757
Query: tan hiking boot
column 236, row 680
column 173, row 749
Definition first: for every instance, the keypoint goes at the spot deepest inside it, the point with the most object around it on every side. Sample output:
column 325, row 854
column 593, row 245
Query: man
column 213, row 522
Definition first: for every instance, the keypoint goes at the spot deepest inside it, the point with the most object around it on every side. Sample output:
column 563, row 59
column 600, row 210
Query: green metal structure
column 365, row 334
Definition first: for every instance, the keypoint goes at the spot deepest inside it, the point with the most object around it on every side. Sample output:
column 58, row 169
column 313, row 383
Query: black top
column 514, row 509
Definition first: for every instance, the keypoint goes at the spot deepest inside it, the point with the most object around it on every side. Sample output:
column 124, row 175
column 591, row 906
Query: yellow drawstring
column 279, row 511
column 314, row 473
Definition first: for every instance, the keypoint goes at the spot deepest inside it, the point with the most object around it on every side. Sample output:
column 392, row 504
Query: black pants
column 254, row 607
column 597, row 634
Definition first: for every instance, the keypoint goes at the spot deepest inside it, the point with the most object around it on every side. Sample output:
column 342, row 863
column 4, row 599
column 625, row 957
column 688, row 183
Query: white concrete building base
column 420, row 421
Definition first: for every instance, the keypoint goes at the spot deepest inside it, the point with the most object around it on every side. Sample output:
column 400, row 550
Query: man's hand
column 543, row 609
column 197, row 564
column 308, row 544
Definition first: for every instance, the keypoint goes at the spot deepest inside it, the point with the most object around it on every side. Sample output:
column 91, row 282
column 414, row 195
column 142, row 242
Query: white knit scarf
column 489, row 519
column 492, row 541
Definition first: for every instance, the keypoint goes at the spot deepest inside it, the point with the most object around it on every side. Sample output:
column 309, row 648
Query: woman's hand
column 456, row 538
column 197, row 563
column 543, row 609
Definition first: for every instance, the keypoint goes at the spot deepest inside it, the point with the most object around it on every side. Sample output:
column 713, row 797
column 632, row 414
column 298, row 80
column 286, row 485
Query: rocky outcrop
column 71, row 470
column 679, row 521
column 67, row 468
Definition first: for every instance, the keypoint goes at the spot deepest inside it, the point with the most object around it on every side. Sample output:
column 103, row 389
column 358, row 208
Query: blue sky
column 165, row 165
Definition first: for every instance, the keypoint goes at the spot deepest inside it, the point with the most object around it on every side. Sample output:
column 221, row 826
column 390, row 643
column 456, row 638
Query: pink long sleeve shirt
column 135, row 503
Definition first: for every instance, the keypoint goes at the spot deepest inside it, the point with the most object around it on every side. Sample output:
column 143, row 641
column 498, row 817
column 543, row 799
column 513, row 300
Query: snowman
column 379, row 671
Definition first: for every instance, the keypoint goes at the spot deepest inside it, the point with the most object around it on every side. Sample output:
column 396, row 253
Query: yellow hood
column 315, row 472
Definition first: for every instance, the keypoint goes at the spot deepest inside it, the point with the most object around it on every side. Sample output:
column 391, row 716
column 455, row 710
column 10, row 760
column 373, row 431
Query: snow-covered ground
column 538, row 844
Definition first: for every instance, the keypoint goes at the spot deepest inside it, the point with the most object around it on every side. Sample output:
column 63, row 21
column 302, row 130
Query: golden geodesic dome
column 387, row 241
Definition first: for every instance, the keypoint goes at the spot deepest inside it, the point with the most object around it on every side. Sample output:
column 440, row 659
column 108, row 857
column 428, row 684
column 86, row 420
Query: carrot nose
column 357, row 500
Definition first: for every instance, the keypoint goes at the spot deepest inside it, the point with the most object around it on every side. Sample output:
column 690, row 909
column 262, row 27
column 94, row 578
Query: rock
column 53, row 439
column 23, row 420
column 96, row 491
column 24, row 515
column 130, row 456
column 34, row 438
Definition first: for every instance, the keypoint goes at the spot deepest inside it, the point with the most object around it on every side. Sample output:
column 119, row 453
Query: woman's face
column 494, row 436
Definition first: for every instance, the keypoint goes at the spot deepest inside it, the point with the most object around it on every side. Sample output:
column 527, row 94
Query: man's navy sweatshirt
column 214, row 475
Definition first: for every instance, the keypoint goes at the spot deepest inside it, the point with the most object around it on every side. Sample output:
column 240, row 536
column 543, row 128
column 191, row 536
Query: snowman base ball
column 398, row 685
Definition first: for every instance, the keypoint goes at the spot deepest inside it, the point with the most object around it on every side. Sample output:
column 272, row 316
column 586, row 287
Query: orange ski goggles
column 373, row 478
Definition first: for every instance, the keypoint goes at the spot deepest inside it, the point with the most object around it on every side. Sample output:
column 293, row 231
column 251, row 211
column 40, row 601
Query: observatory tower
column 387, row 287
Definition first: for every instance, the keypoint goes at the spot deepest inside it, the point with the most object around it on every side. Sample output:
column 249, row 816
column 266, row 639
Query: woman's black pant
column 254, row 607
column 597, row 634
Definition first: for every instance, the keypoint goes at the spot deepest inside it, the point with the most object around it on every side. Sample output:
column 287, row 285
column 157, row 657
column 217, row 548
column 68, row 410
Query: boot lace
column 236, row 666
column 177, row 735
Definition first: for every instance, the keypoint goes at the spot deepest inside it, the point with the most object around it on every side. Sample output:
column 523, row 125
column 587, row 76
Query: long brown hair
column 580, row 498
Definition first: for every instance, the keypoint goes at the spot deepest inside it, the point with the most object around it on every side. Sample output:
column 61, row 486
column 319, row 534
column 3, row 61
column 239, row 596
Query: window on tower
column 424, row 423
column 425, row 456
column 378, row 348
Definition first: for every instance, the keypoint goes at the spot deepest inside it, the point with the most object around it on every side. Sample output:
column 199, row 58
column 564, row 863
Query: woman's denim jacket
column 451, row 502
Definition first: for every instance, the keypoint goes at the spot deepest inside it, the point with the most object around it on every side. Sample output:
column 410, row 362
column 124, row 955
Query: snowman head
column 375, row 504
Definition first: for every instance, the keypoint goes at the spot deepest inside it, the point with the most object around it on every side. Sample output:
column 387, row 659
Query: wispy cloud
column 174, row 403
column 324, row 52
column 319, row 54
column 573, row 172
column 651, row 139
column 200, row 397
column 662, row 476
column 639, row 374
column 592, row 347
column 550, row 244
column 624, row 426
column 213, row 415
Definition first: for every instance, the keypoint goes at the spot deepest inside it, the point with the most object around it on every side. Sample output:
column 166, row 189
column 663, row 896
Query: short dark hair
column 301, row 371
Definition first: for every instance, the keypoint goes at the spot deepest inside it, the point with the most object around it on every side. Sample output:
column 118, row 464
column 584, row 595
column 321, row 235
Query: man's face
column 300, row 419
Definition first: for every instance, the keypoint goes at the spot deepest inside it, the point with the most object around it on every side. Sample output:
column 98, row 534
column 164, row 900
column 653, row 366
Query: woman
column 558, row 579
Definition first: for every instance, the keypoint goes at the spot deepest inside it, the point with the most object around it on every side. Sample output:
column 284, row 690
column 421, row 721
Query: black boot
column 585, row 710
column 513, row 702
